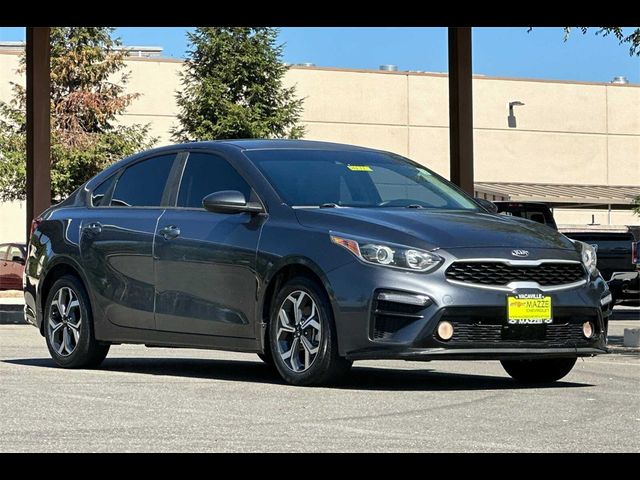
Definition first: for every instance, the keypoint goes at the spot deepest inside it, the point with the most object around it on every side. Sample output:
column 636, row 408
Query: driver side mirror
column 230, row 201
column 487, row 205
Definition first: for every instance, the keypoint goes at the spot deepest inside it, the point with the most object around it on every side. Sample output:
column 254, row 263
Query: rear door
column 117, row 240
column 205, row 267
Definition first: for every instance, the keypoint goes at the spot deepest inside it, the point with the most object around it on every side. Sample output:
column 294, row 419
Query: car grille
column 499, row 273
column 553, row 336
column 486, row 326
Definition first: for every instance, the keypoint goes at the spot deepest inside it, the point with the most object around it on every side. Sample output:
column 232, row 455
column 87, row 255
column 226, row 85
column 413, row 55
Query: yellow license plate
column 529, row 308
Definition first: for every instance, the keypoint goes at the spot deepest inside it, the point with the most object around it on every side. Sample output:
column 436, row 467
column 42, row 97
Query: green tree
column 232, row 87
column 636, row 202
column 87, row 95
column 631, row 38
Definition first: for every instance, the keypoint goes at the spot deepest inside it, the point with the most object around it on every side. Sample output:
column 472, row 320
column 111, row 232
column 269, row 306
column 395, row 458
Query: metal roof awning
column 564, row 194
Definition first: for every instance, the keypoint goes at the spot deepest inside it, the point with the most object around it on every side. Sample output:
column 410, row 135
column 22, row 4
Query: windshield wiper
column 328, row 205
column 414, row 205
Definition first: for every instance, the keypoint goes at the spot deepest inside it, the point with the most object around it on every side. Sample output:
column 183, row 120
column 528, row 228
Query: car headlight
column 589, row 257
column 389, row 255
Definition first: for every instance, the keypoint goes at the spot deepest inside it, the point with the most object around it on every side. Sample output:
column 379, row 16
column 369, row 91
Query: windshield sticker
column 360, row 168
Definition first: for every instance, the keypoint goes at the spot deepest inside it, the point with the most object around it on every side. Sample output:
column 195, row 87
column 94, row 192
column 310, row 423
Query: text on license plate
column 529, row 308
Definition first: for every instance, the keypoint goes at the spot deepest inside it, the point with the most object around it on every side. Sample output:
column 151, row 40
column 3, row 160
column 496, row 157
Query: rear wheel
column 69, row 326
column 538, row 371
column 303, row 336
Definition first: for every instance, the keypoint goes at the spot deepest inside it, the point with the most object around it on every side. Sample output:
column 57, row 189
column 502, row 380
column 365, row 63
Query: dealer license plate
column 528, row 308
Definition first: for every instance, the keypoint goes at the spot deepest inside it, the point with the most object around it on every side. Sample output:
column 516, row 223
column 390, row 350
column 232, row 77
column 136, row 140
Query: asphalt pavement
column 163, row 400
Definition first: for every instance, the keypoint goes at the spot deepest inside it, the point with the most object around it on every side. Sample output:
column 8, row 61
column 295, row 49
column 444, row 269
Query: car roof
column 275, row 144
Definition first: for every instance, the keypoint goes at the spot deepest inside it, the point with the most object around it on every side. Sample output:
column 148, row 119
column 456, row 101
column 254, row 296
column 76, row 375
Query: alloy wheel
column 64, row 322
column 299, row 332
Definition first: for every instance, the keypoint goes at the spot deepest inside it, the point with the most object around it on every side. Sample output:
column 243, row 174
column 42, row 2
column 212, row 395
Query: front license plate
column 528, row 308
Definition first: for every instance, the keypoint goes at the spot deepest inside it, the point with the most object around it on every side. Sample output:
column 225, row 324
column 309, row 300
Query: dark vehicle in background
column 535, row 211
column 311, row 255
column 617, row 252
column 12, row 259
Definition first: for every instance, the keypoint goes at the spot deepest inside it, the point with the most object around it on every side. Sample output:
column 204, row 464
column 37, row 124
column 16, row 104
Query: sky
column 497, row 51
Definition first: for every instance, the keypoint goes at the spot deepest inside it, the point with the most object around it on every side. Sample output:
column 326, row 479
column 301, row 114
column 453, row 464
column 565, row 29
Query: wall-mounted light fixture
column 511, row 119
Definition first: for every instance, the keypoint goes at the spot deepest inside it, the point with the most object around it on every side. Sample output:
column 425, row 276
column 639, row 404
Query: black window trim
column 117, row 174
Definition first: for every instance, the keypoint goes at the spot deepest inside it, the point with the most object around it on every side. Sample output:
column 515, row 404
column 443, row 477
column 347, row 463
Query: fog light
column 587, row 329
column 445, row 330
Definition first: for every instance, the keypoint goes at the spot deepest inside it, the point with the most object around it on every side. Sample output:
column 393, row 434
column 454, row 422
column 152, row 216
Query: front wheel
column 538, row 371
column 303, row 337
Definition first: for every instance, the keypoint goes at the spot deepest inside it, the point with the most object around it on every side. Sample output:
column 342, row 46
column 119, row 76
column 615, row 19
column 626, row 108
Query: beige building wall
column 567, row 132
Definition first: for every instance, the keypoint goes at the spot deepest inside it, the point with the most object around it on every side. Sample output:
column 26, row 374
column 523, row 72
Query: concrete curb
column 12, row 314
column 623, row 350
column 12, row 317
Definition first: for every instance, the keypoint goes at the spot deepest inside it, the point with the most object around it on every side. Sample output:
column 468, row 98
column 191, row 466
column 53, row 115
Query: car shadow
column 360, row 377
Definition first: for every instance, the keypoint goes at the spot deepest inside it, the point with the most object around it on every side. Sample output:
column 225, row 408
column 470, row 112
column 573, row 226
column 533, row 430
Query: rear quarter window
column 98, row 194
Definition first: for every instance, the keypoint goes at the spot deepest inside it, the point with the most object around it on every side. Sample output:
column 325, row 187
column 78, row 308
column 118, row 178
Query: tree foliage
column 232, row 87
column 87, row 95
column 631, row 38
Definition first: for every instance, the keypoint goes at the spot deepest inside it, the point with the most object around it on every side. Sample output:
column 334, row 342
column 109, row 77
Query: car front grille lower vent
column 501, row 273
column 391, row 316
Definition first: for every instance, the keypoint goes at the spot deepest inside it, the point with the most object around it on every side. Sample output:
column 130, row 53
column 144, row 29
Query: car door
column 205, row 262
column 15, row 265
column 117, row 240
column 4, row 267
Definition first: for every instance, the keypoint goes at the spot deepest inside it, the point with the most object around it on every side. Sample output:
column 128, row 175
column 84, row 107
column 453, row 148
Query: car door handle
column 95, row 228
column 170, row 232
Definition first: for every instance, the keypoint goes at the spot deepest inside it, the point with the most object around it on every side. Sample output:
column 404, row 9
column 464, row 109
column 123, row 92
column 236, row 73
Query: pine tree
column 232, row 87
column 87, row 95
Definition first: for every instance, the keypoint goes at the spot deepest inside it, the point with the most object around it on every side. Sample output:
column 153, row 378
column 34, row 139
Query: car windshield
column 312, row 178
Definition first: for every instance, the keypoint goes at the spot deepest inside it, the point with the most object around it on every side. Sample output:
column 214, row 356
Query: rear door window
column 143, row 184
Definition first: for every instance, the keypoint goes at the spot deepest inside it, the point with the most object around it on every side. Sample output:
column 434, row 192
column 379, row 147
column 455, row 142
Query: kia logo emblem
column 520, row 253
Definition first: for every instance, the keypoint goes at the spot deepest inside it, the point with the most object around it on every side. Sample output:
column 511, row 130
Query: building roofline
column 445, row 75
column 161, row 59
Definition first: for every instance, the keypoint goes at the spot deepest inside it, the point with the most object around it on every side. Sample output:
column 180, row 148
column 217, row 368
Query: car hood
column 435, row 229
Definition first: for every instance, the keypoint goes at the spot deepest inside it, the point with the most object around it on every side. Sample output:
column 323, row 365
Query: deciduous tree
column 87, row 96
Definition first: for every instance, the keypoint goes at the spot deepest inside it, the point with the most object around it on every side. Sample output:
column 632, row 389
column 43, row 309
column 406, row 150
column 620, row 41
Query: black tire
column 87, row 352
column 328, row 366
column 538, row 371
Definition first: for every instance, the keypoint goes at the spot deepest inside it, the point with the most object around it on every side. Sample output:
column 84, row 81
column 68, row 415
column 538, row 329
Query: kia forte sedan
column 311, row 255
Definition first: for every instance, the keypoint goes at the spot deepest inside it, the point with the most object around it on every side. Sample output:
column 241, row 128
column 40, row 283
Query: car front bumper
column 477, row 314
